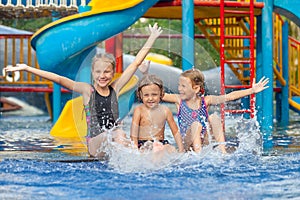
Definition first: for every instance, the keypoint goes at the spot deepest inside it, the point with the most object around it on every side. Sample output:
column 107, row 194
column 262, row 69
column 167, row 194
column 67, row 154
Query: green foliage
column 26, row 24
column 206, row 57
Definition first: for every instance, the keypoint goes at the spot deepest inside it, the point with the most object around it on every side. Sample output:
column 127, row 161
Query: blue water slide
column 62, row 45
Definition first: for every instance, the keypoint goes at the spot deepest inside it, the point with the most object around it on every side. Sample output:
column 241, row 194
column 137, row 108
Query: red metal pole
column 222, row 58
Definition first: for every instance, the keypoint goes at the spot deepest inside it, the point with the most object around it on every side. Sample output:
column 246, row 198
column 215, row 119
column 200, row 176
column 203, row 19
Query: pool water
column 34, row 166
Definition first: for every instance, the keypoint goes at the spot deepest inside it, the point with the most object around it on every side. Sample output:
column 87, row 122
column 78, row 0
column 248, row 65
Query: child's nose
column 101, row 74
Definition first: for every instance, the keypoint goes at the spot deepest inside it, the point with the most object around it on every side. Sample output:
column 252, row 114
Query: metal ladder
column 247, row 61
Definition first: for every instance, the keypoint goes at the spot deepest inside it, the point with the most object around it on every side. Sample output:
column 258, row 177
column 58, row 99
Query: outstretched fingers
column 155, row 29
column 263, row 81
column 260, row 85
column 18, row 67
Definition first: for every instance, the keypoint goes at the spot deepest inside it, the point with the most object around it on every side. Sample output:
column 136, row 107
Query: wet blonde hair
column 104, row 57
column 196, row 77
column 149, row 80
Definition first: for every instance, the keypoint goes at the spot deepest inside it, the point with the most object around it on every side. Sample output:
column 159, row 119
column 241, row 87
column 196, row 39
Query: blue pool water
column 29, row 168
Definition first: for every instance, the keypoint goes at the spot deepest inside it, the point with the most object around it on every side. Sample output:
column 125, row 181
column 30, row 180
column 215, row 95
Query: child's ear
column 197, row 89
column 162, row 94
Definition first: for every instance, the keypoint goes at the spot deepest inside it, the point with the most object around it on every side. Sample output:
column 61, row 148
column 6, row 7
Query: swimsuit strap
column 87, row 110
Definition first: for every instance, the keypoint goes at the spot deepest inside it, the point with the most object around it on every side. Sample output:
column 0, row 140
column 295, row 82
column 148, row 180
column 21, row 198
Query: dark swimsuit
column 102, row 112
column 142, row 142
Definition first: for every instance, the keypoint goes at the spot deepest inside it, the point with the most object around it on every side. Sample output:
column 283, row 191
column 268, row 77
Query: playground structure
column 242, row 31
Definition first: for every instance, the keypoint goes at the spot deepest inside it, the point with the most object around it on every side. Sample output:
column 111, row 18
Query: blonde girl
column 100, row 99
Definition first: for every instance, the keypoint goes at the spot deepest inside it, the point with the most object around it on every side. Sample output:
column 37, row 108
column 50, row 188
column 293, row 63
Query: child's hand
column 260, row 85
column 155, row 30
column 18, row 67
column 144, row 67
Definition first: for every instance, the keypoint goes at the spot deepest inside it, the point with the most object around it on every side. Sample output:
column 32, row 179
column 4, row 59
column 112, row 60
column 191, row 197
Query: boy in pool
column 150, row 117
column 100, row 100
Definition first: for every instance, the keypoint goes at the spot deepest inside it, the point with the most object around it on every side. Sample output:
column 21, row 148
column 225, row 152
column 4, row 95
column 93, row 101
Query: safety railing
column 294, row 67
column 277, row 49
column 17, row 49
column 38, row 8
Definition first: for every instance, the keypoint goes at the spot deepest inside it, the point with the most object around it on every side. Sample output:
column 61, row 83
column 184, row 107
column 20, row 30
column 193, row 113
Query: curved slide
column 290, row 9
column 62, row 46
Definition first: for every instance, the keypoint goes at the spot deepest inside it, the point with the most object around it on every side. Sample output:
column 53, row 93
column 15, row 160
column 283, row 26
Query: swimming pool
column 29, row 169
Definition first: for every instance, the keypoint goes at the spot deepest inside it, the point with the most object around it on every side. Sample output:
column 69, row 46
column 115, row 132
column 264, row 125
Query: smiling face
column 186, row 89
column 103, row 72
column 150, row 95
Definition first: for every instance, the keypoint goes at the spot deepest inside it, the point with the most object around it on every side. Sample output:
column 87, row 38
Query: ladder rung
column 245, row 79
column 243, row 68
column 218, row 25
column 237, row 37
column 237, row 86
column 236, row 48
column 238, row 111
column 238, row 61
column 237, row 12
column 238, row 58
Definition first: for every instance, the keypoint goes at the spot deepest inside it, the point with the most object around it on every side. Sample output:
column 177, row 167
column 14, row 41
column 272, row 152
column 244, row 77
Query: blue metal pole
column 187, row 34
column 265, row 68
column 284, row 120
column 56, row 102
column 56, row 96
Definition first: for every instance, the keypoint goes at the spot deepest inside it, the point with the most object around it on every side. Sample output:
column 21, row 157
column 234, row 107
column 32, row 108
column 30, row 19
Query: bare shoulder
column 138, row 109
column 165, row 109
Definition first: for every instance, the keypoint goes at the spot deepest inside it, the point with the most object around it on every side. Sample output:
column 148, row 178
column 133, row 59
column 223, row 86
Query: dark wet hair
column 150, row 79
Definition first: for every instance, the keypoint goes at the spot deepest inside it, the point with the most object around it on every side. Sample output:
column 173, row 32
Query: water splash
column 125, row 159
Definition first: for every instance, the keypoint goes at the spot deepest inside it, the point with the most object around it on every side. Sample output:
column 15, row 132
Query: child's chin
column 151, row 105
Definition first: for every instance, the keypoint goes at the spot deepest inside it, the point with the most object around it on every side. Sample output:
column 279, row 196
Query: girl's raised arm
column 256, row 88
column 171, row 98
column 61, row 80
column 131, row 69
